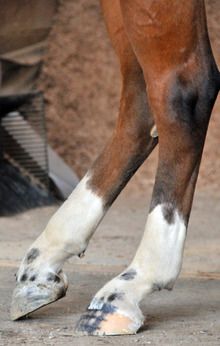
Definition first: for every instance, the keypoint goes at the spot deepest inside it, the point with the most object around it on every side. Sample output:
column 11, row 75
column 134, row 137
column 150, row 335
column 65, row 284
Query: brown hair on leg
column 131, row 141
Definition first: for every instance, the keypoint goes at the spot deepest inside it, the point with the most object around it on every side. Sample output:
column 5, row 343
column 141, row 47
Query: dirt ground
column 189, row 315
column 82, row 85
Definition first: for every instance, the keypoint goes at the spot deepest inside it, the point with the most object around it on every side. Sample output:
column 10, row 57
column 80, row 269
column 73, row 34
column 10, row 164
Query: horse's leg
column 39, row 278
column 171, row 43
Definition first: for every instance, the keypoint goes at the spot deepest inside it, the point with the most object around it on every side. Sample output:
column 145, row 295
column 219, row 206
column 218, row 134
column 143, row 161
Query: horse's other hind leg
column 171, row 43
column 40, row 280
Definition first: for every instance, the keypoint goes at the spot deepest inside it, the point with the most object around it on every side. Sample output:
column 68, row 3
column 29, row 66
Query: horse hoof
column 30, row 296
column 98, row 322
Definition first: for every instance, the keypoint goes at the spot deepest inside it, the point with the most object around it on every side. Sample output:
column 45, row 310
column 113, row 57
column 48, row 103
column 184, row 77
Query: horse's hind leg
column 182, row 83
column 40, row 279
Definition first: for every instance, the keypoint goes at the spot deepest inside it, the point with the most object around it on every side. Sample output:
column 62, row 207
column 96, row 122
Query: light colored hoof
column 101, row 323
column 30, row 296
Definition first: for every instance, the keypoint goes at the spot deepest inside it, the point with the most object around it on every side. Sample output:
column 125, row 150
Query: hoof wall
column 28, row 297
column 98, row 322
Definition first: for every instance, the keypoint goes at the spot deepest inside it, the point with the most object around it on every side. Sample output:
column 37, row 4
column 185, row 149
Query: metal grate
column 24, row 139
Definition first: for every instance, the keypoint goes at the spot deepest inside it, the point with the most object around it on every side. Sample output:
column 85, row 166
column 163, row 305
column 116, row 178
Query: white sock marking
column 69, row 229
column 157, row 262
column 159, row 256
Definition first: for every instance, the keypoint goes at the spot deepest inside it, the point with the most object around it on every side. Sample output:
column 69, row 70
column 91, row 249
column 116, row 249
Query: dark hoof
column 31, row 296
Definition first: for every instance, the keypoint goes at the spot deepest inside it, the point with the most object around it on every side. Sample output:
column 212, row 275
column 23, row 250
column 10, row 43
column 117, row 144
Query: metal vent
column 24, row 139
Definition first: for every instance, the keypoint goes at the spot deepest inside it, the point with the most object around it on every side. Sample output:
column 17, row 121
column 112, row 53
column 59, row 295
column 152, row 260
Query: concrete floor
column 189, row 315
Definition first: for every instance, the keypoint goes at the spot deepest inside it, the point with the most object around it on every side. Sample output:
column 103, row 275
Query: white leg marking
column 159, row 256
column 69, row 229
column 156, row 264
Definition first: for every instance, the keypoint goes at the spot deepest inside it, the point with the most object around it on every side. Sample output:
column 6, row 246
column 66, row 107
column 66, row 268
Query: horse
column 170, row 81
